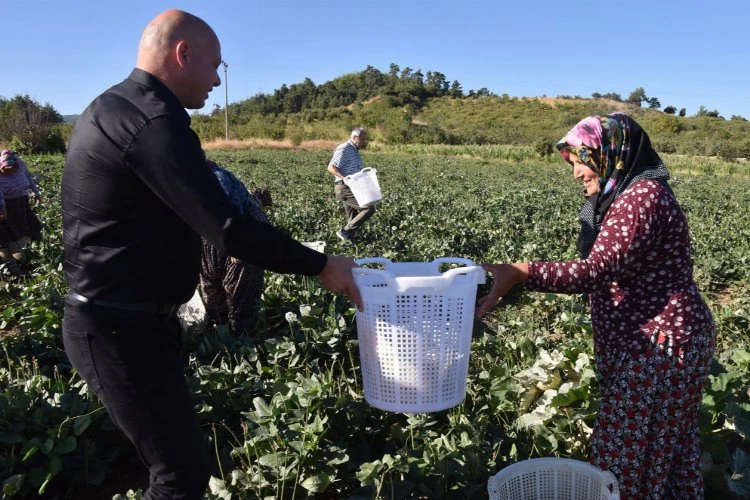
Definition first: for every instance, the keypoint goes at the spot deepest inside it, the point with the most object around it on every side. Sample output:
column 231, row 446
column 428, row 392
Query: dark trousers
column 355, row 215
column 131, row 361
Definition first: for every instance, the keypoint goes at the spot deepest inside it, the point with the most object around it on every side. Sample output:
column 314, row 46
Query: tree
column 637, row 96
column 682, row 112
column 456, row 90
column 30, row 127
column 653, row 103
column 670, row 110
column 702, row 111
column 613, row 96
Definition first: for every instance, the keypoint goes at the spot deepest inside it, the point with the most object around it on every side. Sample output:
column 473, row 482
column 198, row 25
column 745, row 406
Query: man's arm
column 334, row 170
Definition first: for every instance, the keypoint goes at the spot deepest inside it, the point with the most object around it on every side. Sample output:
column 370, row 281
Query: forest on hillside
column 407, row 106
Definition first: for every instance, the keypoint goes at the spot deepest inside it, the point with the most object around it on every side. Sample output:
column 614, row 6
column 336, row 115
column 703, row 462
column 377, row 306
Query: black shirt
column 136, row 195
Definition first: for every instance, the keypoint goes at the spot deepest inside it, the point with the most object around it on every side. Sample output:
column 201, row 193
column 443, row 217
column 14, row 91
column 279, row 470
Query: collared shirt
column 136, row 195
column 346, row 158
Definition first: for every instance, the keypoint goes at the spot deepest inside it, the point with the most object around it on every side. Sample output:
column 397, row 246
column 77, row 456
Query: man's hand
column 337, row 276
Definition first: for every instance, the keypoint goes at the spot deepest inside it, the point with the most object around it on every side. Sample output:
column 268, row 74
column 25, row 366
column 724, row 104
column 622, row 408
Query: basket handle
column 366, row 169
column 374, row 260
column 453, row 260
column 386, row 276
column 480, row 276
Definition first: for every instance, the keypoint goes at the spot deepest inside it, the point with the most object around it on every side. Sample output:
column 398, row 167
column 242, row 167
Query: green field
column 286, row 414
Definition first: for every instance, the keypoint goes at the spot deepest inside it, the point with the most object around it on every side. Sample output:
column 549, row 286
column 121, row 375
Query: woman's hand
column 504, row 277
column 3, row 214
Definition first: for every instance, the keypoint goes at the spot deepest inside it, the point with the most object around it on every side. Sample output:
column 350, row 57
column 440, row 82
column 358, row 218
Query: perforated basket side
column 365, row 187
column 414, row 351
column 553, row 479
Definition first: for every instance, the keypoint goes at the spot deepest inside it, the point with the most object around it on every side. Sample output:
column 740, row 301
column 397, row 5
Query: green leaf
column 80, row 424
column 13, row 484
column 54, row 465
column 317, row 483
column 262, row 408
column 66, row 445
column 30, row 453
column 47, row 446
column 272, row 460
column 368, row 471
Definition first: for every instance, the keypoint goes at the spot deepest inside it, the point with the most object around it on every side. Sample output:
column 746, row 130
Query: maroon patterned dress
column 654, row 338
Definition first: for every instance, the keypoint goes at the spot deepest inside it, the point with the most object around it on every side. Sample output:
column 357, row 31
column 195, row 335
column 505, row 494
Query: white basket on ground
column 365, row 187
column 415, row 332
column 553, row 479
column 319, row 246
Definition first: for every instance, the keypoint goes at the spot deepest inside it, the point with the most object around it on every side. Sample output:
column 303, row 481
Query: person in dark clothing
column 231, row 288
column 136, row 200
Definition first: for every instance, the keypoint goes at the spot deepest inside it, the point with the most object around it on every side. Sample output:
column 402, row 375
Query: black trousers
column 132, row 362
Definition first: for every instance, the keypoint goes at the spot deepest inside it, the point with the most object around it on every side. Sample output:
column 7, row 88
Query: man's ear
column 182, row 52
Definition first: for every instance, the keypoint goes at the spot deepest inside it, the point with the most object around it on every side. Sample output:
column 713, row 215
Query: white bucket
column 365, row 187
column 558, row 478
column 415, row 332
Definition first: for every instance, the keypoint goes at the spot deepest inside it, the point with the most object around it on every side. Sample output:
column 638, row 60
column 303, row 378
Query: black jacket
column 136, row 195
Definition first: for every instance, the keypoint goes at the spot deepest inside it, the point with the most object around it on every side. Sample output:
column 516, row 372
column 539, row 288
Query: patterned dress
column 654, row 339
column 232, row 288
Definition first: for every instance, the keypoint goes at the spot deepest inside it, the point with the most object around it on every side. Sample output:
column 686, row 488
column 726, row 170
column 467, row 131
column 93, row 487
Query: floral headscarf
column 620, row 152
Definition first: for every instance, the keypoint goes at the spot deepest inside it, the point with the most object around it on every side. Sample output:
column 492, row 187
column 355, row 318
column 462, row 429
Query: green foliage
column 637, row 96
column 405, row 106
column 286, row 413
column 28, row 127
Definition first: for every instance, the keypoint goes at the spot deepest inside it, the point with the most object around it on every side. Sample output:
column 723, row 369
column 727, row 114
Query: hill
column 407, row 107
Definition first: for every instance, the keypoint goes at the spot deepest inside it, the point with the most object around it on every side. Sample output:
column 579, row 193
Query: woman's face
column 584, row 174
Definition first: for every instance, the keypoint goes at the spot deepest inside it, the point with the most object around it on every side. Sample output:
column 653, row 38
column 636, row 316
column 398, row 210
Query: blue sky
column 686, row 53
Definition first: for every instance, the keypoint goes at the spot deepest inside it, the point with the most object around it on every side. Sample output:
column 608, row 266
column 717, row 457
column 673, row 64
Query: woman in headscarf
column 654, row 336
column 19, row 225
column 232, row 288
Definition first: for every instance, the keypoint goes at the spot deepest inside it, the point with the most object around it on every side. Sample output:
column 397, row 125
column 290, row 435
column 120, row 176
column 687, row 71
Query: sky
column 686, row 53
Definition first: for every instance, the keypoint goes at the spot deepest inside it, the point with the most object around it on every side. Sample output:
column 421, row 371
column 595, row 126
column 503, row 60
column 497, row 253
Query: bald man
column 136, row 198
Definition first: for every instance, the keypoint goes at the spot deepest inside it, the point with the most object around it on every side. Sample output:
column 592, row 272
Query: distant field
column 287, row 416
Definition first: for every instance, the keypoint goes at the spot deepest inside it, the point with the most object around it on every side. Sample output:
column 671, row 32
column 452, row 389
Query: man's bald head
column 183, row 52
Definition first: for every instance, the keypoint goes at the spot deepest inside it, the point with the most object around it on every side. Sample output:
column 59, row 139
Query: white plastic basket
column 192, row 315
column 553, row 479
column 365, row 187
column 319, row 246
column 415, row 332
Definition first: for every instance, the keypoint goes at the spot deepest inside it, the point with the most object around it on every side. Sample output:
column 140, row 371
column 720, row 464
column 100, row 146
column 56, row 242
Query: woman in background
column 232, row 288
column 654, row 336
column 19, row 225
